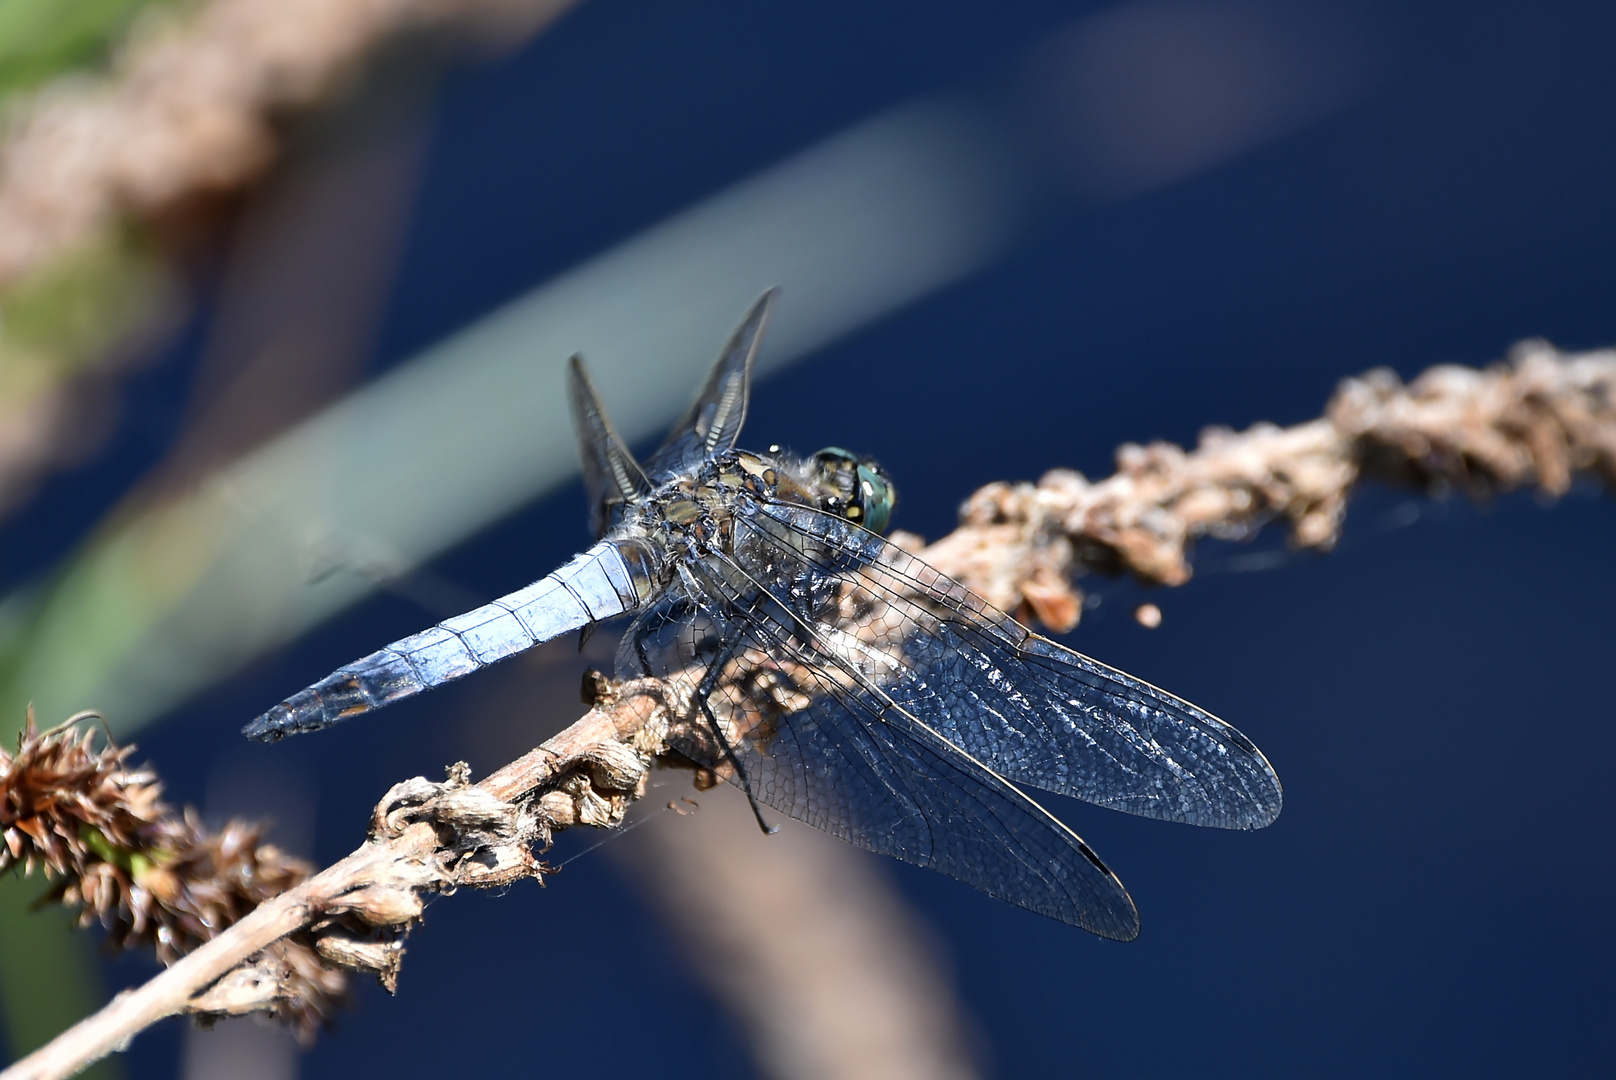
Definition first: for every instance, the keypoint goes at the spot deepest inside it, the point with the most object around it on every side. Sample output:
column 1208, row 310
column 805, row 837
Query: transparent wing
column 713, row 422
column 821, row 747
column 612, row 478
column 1027, row 708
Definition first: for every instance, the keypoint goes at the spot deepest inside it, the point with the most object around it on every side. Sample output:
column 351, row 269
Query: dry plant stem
column 149, row 874
column 1542, row 418
column 172, row 991
column 192, row 108
column 475, row 835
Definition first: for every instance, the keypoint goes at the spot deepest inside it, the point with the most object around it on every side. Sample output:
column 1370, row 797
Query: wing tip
column 1271, row 799
column 1121, row 922
column 1131, row 933
column 1264, row 816
column 1271, row 811
column 1259, row 808
column 744, row 343
column 1124, row 929
column 763, row 304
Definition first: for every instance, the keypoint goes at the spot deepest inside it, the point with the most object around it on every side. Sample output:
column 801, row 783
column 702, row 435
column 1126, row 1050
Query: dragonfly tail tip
column 270, row 727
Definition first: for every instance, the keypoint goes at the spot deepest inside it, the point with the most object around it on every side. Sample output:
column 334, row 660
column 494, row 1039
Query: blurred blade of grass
column 166, row 602
column 41, row 39
column 48, row 976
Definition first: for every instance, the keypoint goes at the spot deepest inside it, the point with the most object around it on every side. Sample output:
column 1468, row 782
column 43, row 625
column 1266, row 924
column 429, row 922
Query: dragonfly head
column 864, row 492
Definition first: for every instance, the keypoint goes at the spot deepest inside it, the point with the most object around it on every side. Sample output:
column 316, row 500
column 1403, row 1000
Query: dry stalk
column 424, row 838
column 149, row 875
column 1543, row 418
column 191, row 108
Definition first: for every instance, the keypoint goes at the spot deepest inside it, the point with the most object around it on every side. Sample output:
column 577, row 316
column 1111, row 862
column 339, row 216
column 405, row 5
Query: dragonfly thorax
column 698, row 508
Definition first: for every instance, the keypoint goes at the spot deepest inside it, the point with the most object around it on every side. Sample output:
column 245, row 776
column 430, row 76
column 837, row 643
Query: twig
column 1543, row 419
column 148, row 873
column 424, row 838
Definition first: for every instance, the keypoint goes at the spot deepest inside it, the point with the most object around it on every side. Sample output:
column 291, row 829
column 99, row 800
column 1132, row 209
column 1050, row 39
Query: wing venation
column 1028, row 708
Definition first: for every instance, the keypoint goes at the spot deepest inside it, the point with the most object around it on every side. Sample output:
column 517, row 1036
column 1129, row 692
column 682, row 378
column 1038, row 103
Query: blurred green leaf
column 69, row 313
column 41, row 39
column 159, row 604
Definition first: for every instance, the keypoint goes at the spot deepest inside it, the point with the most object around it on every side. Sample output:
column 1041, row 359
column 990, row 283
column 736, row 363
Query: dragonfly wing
column 821, row 748
column 612, row 478
column 1027, row 708
column 713, row 422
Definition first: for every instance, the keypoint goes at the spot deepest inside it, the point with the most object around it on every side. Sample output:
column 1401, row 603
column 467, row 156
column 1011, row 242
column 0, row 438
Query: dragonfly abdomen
column 595, row 585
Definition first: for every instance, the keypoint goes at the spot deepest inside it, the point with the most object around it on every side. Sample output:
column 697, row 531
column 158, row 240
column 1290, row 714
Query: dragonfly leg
column 640, row 633
column 708, row 683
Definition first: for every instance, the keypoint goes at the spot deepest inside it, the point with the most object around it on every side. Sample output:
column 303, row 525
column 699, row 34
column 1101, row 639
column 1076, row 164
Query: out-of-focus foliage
column 48, row 976
column 54, row 321
column 40, row 39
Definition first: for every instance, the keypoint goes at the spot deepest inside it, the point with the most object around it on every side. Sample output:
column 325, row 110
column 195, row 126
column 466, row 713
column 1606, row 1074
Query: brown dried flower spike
column 148, row 874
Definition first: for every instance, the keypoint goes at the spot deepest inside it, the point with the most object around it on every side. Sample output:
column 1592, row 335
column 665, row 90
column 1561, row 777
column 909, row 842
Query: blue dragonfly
column 835, row 676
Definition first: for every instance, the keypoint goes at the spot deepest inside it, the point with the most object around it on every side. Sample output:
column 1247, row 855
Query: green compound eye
column 865, row 491
column 877, row 495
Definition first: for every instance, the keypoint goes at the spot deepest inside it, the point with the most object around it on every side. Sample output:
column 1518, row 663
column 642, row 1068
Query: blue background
column 1435, row 694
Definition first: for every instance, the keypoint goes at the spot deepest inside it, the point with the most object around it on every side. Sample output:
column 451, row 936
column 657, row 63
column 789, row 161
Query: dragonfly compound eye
column 877, row 494
column 860, row 490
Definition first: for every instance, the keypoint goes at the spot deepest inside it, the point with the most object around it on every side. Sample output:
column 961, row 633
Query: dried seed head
column 150, row 876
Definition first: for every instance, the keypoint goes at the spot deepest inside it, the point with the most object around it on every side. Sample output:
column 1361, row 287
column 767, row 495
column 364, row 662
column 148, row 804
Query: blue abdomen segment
column 595, row 585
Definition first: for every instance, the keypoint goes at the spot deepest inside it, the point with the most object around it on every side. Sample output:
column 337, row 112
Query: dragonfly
column 833, row 675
